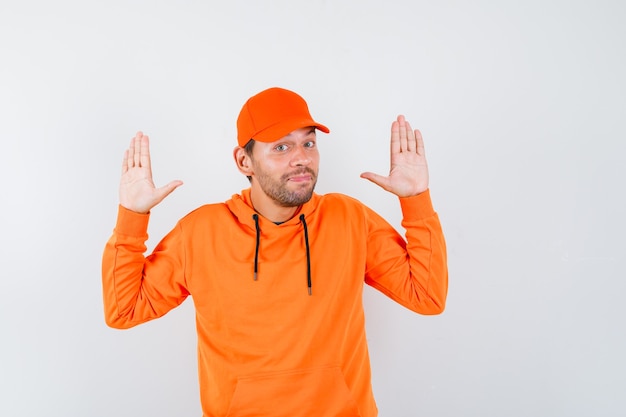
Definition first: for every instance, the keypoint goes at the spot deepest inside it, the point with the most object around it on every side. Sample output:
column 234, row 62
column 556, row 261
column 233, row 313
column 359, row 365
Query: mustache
column 301, row 171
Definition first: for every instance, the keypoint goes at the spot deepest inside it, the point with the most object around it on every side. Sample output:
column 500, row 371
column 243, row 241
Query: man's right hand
column 137, row 191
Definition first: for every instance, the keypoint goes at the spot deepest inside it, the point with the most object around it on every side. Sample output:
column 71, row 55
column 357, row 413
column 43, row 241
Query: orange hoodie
column 288, row 340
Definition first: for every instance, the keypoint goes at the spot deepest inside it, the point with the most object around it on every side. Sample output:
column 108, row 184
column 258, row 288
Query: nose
column 300, row 157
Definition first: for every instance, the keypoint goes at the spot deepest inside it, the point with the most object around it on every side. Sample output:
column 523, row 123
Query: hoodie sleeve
column 135, row 288
column 413, row 272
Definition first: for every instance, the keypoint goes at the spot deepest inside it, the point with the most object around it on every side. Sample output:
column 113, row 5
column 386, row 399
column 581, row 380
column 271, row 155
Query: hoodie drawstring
column 308, row 254
column 306, row 242
column 258, row 241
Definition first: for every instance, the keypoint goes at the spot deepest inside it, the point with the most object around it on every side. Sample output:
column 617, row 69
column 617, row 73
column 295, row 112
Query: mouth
column 301, row 176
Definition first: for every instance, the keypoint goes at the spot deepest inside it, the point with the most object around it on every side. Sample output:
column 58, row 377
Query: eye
column 310, row 144
column 281, row 148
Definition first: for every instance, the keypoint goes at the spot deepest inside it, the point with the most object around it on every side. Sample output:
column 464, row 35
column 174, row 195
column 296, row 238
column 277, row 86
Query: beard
column 278, row 190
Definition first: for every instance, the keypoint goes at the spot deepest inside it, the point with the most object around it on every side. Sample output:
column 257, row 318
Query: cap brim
column 285, row 127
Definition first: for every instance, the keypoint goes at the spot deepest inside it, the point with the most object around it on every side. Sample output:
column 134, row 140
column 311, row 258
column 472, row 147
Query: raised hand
column 137, row 191
column 408, row 174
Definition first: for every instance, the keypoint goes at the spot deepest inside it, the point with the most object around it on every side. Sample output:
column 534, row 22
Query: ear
column 243, row 161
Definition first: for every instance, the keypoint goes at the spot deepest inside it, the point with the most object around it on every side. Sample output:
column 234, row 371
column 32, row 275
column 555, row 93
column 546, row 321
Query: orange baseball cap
column 272, row 114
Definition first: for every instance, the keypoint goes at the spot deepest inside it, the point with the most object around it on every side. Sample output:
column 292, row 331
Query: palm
column 408, row 173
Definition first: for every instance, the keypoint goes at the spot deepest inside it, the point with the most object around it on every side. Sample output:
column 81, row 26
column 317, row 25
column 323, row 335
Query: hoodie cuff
column 417, row 207
column 130, row 223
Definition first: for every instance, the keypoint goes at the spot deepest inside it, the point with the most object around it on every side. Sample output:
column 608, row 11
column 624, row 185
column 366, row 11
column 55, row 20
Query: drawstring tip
column 310, row 292
column 255, row 276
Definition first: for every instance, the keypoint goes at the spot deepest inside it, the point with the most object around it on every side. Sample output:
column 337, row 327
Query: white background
column 522, row 106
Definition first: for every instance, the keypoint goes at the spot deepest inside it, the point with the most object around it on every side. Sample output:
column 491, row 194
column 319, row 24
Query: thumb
column 167, row 189
column 377, row 179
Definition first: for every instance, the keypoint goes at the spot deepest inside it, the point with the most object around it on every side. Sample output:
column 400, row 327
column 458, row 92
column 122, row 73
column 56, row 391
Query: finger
column 403, row 137
column 167, row 189
column 137, row 150
column 131, row 154
column 377, row 179
column 411, row 144
column 125, row 162
column 395, row 137
column 419, row 142
column 144, row 159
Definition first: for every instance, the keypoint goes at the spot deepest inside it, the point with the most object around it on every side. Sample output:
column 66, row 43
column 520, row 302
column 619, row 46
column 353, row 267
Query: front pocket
column 319, row 392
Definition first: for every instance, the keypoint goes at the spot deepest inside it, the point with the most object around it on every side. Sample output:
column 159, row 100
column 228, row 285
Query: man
column 277, row 272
